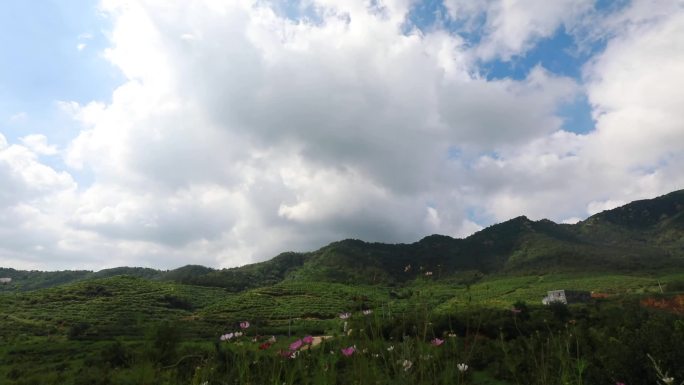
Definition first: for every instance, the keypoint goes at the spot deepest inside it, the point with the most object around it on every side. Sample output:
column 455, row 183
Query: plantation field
column 126, row 330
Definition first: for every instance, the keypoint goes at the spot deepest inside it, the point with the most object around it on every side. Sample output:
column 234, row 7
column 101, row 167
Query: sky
column 162, row 133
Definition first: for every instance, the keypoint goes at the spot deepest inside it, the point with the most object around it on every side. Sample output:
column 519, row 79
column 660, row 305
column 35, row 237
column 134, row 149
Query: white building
column 566, row 296
column 555, row 296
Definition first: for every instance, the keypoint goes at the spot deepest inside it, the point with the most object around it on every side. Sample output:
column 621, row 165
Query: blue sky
column 323, row 121
column 43, row 64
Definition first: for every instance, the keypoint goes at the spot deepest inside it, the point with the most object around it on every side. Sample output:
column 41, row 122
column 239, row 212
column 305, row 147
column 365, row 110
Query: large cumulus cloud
column 241, row 132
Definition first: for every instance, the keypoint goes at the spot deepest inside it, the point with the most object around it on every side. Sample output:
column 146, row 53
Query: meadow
column 127, row 330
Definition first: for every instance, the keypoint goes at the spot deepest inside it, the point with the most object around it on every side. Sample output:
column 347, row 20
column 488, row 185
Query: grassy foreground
column 124, row 330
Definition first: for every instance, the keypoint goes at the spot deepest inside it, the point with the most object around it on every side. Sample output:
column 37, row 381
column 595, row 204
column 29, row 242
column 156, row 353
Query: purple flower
column 347, row 352
column 296, row 345
column 244, row 324
column 308, row 340
column 436, row 341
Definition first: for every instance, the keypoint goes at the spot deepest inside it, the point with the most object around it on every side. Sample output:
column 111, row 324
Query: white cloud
column 38, row 144
column 305, row 140
column 512, row 27
column 240, row 133
column 19, row 117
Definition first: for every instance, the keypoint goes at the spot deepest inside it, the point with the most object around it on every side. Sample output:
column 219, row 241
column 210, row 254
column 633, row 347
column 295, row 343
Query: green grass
column 58, row 335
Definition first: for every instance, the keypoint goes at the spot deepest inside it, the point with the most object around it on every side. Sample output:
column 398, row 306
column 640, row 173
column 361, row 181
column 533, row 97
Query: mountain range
column 643, row 236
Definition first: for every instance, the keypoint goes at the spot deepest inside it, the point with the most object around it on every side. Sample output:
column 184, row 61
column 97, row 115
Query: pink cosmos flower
column 244, row 324
column 436, row 341
column 296, row 345
column 308, row 340
column 347, row 352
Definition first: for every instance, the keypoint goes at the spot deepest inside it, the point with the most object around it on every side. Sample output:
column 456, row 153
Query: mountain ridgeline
column 643, row 236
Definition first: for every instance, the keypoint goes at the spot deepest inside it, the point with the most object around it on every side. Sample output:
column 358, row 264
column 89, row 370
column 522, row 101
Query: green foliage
column 163, row 340
column 481, row 294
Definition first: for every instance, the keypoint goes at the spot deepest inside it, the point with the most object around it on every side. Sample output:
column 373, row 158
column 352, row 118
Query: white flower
column 390, row 348
column 462, row 367
column 668, row 380
column 451, row 335
column 227, row 336
column 367, row 312
column 406, row 365
column 345, row 315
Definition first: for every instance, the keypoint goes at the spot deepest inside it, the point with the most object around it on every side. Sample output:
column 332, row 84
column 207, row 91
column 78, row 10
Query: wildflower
column 264, row 346
column 367, row 312
column 345, row 315
column 308, row 340
column 436, row 341
column 296, row 345
column 451, row 335
column 391, row 347
column 406, row 365
column 238, row 334
column 428, row 273
column 272, row 339
column 226, row 336
column 668, row 380
column 244, row 324
column 407, row 268
column 347, row 352
column 462, row 367
column 288, row 354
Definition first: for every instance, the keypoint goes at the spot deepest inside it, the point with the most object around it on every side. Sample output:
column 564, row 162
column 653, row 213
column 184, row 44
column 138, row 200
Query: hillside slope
column 643, row 236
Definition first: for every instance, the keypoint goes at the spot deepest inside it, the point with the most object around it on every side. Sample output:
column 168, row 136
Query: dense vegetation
column 480, row 295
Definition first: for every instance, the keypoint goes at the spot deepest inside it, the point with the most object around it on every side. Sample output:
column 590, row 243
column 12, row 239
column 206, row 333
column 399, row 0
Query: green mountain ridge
column 643, row 236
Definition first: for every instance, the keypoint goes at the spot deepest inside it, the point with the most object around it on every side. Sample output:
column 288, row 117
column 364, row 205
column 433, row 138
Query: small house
column 5, row 281
column 566, row 296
